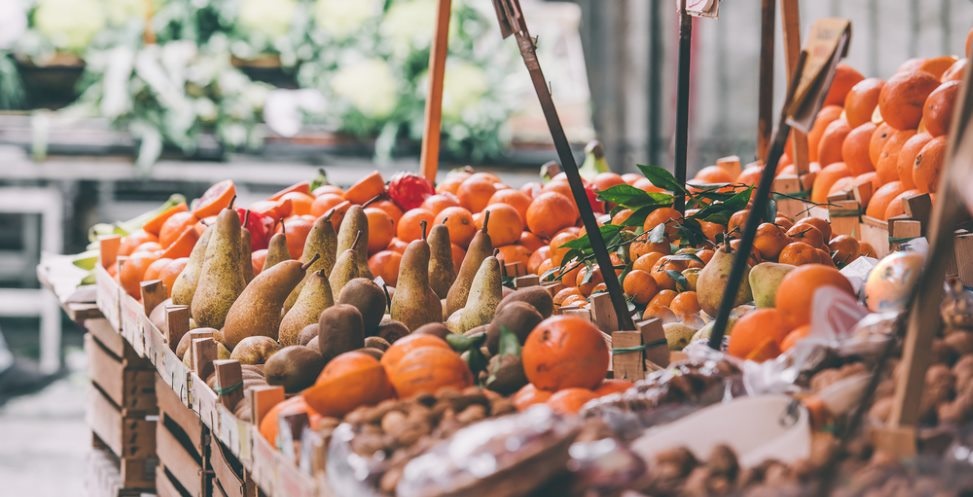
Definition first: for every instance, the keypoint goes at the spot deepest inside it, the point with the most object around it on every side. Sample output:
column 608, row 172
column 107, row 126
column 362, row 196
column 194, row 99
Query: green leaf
column 632, row 197
column 682, row 284
column 320, row 179
column 720, row 211
column 690, row 232
column 476, row 361
column 686, row 257
column 460, row 342
column 609, row 233
column 662, row 178
column 509, row 343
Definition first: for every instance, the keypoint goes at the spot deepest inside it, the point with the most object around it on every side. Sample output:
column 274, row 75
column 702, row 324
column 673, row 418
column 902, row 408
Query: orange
column 882, row 197
column 324, row 203
column 152, row 226
column 887, row 166
column 937, row 112
column 758, row 324
column 797, row 253
column 861, row 100
column 564, row 293
column 661, row 271
column 907, row 157
column 822, row 225
column 484, row 176
column 530, row 395
column 296, row 229
column 397, row 245
column 845, row 78
column 955, row 72
column 531, row 241
column 711, row 230
column 152, row 272
column 537, row 257
column 565, row 352
column 350, row 380
column 685, row 306
column 183, row 245
column 647, row 261
column 844, row 249
column 769, row 241
column 806, row 233
column 134, row 239
column 558, row 251
column 150, row 247
column 645, row 185
column 514, row 198
column 171, row 271
column 366, row 188
column 215, row 199
column 842, row 187
column 270, row 425
column 381, row 229
column 401, row 347
column 855, row 148
column 666, row 215
column 549, row 213
column 258, row 258
column 130, row 274
column 937, row 65
column 436, row 203
column 460, row 224
column 750, row 175
column 511, row 254
column 880, row 137
column 826, row 179
column 795, row 294
column 631, row 178
column 640, row 286
column 829, row 148
column 825, row 117
column 505, row 224
column 734, row 226
column 641, row 246
column 450, row 185
column 425, row 370
column 588, row 278
column 570, row 278
column 613, row 385
column 173, row 228
column 570, row 400
column 300, row 187
column 321, row 190
column 604, row 181
column 712, row 174
column 794, row 336
column 301, row 203
column 560, row 185
column 928, row 164
column 474, row 193
column 897, row 206
column 903, row 96
column 391, row 209
column 410, row 226
column 658, row 307
column 621, row 216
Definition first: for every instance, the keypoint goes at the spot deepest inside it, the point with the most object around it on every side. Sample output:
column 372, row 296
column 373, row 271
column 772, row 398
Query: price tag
column 827, row 44
column 702, row 8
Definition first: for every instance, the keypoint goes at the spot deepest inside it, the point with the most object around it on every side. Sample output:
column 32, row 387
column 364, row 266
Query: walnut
column 390, row 480
column 393, row 422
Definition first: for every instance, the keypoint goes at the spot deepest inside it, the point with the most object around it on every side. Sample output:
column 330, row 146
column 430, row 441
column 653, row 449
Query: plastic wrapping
column 348, row 472
column 605, row 466
column 502, row 457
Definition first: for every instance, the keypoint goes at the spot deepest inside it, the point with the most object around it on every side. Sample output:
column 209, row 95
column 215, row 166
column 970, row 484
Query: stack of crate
column 183, row 444
column 121, row 412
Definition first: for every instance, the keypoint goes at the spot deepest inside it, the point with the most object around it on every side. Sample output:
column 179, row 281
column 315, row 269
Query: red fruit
column 408, row 190
column 596, row 205
column 261, row 227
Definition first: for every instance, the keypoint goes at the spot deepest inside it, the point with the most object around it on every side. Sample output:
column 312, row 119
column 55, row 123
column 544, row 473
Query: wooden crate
column 130, row 440
column 230, row 479
column 103, row 478
column 130, row 388
column 182, row 442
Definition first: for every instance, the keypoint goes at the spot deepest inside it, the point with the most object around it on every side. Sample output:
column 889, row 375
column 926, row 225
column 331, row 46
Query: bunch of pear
column 293, row 317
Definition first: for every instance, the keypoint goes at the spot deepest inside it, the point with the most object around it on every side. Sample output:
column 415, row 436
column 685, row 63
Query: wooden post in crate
column 229, row 382
column 177, row 321
column 153, row 294
column 204, row 353
column 791, row 23
column 919, row 207
column 765, row 101
column 963, row 256
column 902, row 231
column 789, row 189
column 655, row 343
column 262, row 399
column 526, row 280
column 845, row 217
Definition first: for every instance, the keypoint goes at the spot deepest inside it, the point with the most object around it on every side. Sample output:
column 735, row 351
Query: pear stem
column 424, row 225
column 374, row 199
column 283, row 227
column 445, row 219
column 312, row 261
column 486, row 221
column 320, row 273
column 232, row 201
column 354, row 244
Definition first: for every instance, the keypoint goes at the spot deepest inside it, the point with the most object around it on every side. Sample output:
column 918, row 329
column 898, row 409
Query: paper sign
column 827, row 43
column 702, row 8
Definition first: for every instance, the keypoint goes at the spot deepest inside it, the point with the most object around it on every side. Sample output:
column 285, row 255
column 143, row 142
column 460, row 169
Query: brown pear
column 346, row 268
column 480, row 248
column 257, row 311
column 220, row 281
column 314, row 297
column 185, row 285
column 441, row 272
column 321, row 240
column 414, row 302
column 352, row 224
column 277, row 250
column 369, row 298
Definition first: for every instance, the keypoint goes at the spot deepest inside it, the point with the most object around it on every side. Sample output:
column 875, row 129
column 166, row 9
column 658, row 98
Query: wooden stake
column 204, row 353
column 511, row 19
column 153, row 294
column 765, row 104
column 627, row 363
column 654, row 340
column 791, row 22
column 229, row 382
column 682, row 100
column 262, row 399
column 434, row 100
column 177, row 317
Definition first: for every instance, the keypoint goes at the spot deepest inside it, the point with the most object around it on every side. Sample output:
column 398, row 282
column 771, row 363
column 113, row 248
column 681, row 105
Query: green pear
column 485, row 293
column 414, row 302
column 184, row 287
column 764, row 279
column 314, row 297
column 257, row 310
column 277, row 251
column 480, row 248
column 678, row 335
column 321, row 241
column 712, row 279
column 355, row 225
column 220, row 281
column 441, row 272
column 346, row 268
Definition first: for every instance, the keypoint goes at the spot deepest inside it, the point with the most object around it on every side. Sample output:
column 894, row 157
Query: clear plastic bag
column 350, row 473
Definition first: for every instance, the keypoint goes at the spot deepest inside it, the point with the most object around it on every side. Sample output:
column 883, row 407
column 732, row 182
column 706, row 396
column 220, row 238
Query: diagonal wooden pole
column 765, row 103
column 790, row 14
column 429, row 158
column 682, row 101
column 512, row 22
